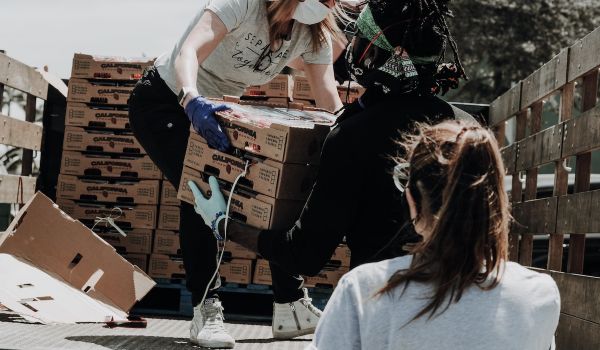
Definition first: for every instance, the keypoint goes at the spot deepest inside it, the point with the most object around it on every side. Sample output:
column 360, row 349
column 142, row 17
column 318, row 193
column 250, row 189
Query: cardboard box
column 302, row 89
column 262, row 273
column 168, row 194
column 109, row 117
column 236, row 271
column 281, row 86
column 284, row 135
column 325, row 278
column 254, row 209
column 350, row 94
column 341, row 255
column 138, row 241
column 80, row 139
column 139, row 260
column 54, row 269
column 135, row 192
column 234, row 250
column 109, row 67
column 165, row 266
column 166, row 242
column 127, row 217
column 106, row 93
column 279, row 180
column 98, row 165
column 305, row 103
column 168, row 218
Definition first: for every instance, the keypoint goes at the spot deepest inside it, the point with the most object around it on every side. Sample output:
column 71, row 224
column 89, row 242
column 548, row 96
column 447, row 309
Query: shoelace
column 306, row 301
column 213, row 317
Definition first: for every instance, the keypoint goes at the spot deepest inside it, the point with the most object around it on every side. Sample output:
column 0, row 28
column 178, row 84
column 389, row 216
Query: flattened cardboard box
column 302, row 89
column 236, row 271
column 80, row 139
column 262, row 273
column 109, row 67
column 80, row 114
column 166, row 242
column 279, row 180
column 87, row 91
column 168, row 218
column 254, row 209
column 82, row 164
column 139, row 260
column 280, row 86
column 284, row 135
column 164, row 266
column 54, row 269
column 139, row 192
column 137, row 241
column 125, row 216
column 168, row 194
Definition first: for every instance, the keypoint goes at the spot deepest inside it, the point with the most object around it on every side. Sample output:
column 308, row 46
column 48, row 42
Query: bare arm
column 324, row 87
column 200, row 43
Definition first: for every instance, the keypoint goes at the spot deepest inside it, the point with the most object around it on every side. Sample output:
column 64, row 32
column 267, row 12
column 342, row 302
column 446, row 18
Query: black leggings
column 162, row 128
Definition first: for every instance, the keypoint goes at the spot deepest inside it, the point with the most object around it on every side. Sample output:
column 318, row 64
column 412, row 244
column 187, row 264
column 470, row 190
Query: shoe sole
column 213, row 345
column 293, row 334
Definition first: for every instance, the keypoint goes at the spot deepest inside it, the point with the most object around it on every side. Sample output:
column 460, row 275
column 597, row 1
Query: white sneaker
column 294, row 319
column 207, row 329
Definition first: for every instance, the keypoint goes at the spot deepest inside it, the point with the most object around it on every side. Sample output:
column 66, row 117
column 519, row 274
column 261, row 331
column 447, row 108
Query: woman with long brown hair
column 229, row 45
column 457, row 290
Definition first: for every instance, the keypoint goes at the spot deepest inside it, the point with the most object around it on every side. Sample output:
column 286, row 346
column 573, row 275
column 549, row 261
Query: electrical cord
column 221, row 251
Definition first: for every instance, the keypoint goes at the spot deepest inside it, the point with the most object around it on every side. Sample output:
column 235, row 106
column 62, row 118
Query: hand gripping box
column 97, row 116
column 252, row 208
column 109, row 67
column 135, row 192
column 80, row 139
column 111, row 166
column 280, row 86
column 279, row 180
column 98, row 92
column 282, row 134
column 55, row 270
column 127, row 217
column 168, row 218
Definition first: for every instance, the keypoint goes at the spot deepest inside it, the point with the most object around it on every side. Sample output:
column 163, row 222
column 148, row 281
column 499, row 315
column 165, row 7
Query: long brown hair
column 456, row 179
column 280, row 14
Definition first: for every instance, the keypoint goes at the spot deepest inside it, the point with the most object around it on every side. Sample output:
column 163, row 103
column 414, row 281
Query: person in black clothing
column 396, row 54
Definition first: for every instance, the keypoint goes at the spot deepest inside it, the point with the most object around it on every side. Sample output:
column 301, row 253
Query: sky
column 49, row 32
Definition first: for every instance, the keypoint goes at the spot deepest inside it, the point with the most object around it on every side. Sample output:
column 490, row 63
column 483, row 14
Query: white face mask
column 311, row 12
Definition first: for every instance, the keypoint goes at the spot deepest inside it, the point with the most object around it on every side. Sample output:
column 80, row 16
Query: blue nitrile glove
column 212, row 210
column 201, row 112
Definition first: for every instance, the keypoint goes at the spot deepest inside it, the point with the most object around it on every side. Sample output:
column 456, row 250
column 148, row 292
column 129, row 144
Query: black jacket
column 354, row 194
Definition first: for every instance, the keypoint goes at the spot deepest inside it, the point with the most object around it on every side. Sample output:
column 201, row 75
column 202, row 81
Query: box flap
column 52, row 241
column 40, row 297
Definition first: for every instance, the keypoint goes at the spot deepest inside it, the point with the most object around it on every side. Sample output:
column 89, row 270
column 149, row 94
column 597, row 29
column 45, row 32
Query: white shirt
column 521, row 313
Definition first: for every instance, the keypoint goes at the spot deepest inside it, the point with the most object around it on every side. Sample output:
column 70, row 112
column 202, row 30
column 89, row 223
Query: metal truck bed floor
column 163, row 334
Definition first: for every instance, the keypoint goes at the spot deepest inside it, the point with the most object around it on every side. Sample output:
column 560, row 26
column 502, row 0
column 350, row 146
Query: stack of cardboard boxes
column 105, row 174
column 282, row 149
column 285, row 89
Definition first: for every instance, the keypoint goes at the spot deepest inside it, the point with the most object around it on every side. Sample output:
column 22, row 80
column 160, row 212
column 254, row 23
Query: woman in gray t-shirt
column 229, row 45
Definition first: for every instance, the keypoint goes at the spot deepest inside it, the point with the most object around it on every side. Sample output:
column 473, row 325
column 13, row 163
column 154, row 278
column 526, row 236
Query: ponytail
column 456, row 179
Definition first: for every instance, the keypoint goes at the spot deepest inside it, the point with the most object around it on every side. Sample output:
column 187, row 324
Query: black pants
column 162, row 127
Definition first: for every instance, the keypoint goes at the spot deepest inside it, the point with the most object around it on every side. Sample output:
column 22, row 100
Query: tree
column 503, row 41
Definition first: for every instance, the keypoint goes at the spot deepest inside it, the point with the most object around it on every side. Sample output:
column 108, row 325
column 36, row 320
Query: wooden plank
column 20, row 76
column 582, row 134
column 584, row 55
column 579, row 295
column 546, row 80
column 19, row 133
column 27, row 158
column 535, row 216
column 576, row 334
column 574, row 213
column 14, row 191
column 509, row 156
column 500, row 134
column 505, row 106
